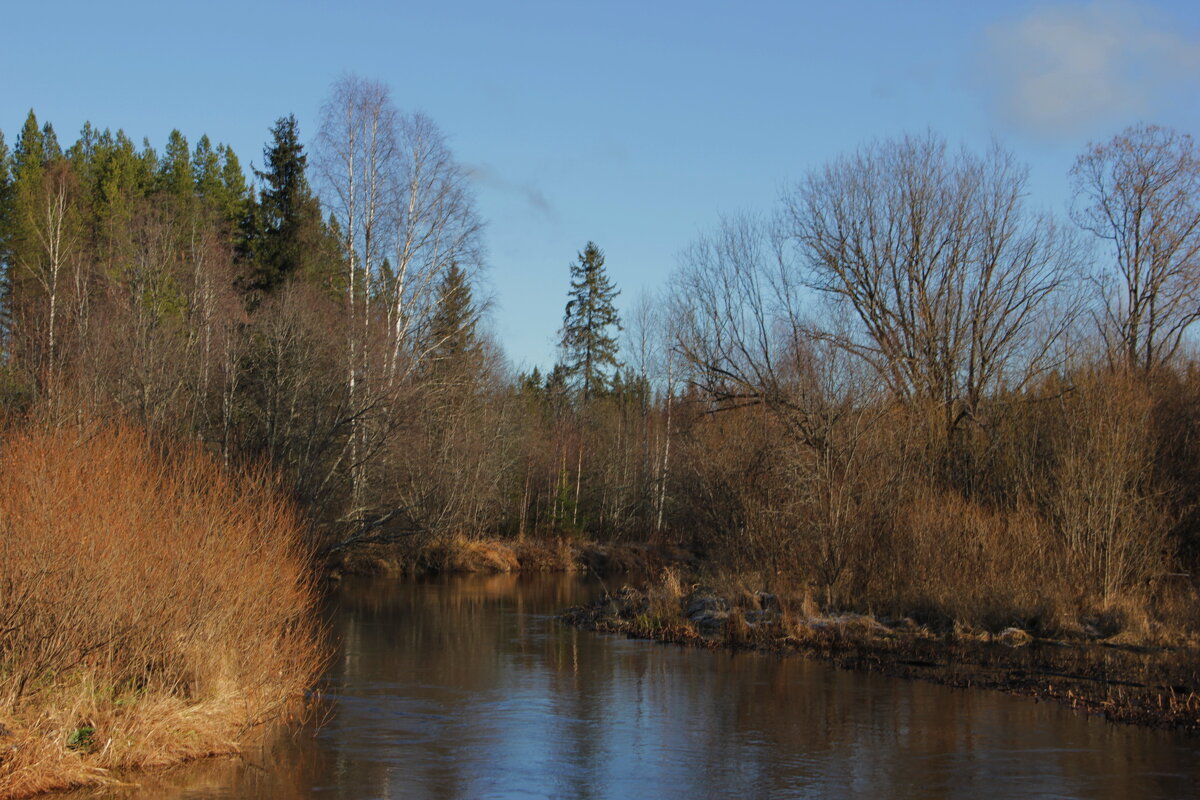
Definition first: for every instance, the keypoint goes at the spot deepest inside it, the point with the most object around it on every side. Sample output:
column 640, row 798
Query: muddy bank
column 1156, row 686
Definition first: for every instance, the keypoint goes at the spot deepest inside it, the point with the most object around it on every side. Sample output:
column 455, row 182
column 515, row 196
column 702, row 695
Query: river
column 468, row 687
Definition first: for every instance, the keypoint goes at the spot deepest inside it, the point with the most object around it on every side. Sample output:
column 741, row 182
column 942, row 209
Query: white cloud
column 1065, row 66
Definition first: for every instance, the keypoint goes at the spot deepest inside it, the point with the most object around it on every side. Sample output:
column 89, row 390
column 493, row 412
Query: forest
column 906, row 389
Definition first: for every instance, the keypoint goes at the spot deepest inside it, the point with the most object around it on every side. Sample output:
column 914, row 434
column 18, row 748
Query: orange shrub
column 153, row 608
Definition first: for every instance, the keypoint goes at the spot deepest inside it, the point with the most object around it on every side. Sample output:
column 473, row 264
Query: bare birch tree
column 404, row 213
column 357, row 161
column 51, row 221
column 436, row 225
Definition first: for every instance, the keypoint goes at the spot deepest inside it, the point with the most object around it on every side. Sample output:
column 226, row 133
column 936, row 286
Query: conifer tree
column 288, row 214
column 28, row 167
column 453, row 341
column 175, row 169
column 5, row 180
column 589, row 345
column 29, row 154
column 51, row 151
column 206, row 171
column 119, row 180
column 218, row 179
column 6, row 214
column 82, row 154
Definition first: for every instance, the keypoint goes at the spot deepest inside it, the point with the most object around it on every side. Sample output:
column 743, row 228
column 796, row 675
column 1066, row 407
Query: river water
column 468, row 687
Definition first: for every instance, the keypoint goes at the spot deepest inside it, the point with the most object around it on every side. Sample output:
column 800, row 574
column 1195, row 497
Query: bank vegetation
column 153, row 607
column 904, row 390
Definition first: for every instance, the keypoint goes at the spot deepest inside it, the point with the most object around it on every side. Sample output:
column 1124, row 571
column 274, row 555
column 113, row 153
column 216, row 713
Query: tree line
column 904, row 375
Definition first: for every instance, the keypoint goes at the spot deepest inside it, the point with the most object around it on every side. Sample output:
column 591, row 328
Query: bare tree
column 1140, row 193
column 950, row 281
column 436, row 225
column 357, row 153
column 741, row 330
column 52, row 221
column 738, row 320
column 404, row 214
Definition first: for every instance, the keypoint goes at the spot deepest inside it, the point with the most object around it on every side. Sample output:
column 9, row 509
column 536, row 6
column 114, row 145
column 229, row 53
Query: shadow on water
column 467, row 687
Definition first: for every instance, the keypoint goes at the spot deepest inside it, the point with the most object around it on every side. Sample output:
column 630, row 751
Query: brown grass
column 152, row 607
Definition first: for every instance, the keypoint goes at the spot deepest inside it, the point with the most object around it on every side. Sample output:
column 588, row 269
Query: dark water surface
column 469, row 688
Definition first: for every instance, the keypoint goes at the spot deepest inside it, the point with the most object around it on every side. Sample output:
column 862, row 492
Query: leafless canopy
column 1140, row 193
column 953, row 285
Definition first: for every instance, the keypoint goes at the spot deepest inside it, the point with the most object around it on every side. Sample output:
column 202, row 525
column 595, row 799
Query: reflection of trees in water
column 463, row 687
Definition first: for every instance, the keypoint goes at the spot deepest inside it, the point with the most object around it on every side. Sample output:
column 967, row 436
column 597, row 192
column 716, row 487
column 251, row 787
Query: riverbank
column 1125, row 681
column 154, row 608
column 463, row 555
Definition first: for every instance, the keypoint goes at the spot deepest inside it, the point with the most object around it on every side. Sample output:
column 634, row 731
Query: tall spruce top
column 587, row 339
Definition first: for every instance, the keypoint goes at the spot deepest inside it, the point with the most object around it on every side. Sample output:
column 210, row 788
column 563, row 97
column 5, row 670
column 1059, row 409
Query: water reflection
column 468, row 688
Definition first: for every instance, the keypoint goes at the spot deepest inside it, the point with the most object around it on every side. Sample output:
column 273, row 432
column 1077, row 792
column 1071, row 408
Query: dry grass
column 152, row 607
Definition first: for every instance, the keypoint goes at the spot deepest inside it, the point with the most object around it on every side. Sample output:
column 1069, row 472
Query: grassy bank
column 153, row 608
column 462, row 554
column 1102, row 665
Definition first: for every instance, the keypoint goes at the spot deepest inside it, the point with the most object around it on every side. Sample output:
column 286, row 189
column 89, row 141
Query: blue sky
column 631, row 124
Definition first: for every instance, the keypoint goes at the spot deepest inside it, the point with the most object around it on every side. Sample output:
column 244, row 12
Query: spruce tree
column 588, row 343
column 288, row 214
column 453, row 341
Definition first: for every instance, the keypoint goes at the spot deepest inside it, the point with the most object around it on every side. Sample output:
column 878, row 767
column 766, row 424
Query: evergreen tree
column 288, row 217
column 29, row 156
column 589, row 345
column 219, row 181
column 6, row 215
column 175, row 169
column 120, row 180
column 237, row 194
column 5, row 181
column 82, row 154
column 453, row 341
column 149, row 162
column 530, row 384
column 206, row 170
column 29, row 161
column 50, row 148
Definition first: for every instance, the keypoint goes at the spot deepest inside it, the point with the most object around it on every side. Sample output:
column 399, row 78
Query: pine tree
column 30, row 153
column 206, row 171
column 28, row 169
column 119, row 180
column 175, row 169
column 82, row 154
column 219, row 181
column 234, row 179
column 50, row 148
column 588, row 344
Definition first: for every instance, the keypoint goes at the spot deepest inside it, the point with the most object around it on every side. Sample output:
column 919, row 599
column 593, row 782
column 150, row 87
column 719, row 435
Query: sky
column 632, row 124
